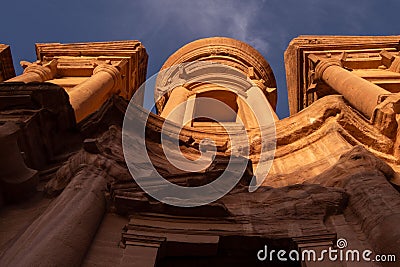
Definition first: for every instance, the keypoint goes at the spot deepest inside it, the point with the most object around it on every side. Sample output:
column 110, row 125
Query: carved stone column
column 258, row 104
column 62, row 234
column 362, row 94
column 178, row 96
column 35, row 72
column 88, row 96
column 189, row 111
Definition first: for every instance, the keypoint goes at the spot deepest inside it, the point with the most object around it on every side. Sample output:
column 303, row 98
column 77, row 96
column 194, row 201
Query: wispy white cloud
column 209, row 18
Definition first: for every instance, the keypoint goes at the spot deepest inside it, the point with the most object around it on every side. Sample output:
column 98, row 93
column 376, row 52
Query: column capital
column 46, row 71
column 323, row 64
column 113, row 71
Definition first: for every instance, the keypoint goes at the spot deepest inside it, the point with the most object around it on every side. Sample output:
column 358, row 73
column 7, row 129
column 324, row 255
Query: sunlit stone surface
column 68, row 199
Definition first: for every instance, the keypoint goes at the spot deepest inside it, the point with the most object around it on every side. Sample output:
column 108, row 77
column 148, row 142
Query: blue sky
column 164, row 26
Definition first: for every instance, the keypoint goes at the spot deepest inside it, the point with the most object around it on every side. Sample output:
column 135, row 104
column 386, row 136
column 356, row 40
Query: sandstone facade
column 68, row 197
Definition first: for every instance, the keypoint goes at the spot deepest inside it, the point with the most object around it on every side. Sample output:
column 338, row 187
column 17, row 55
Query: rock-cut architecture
column 70, row 197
